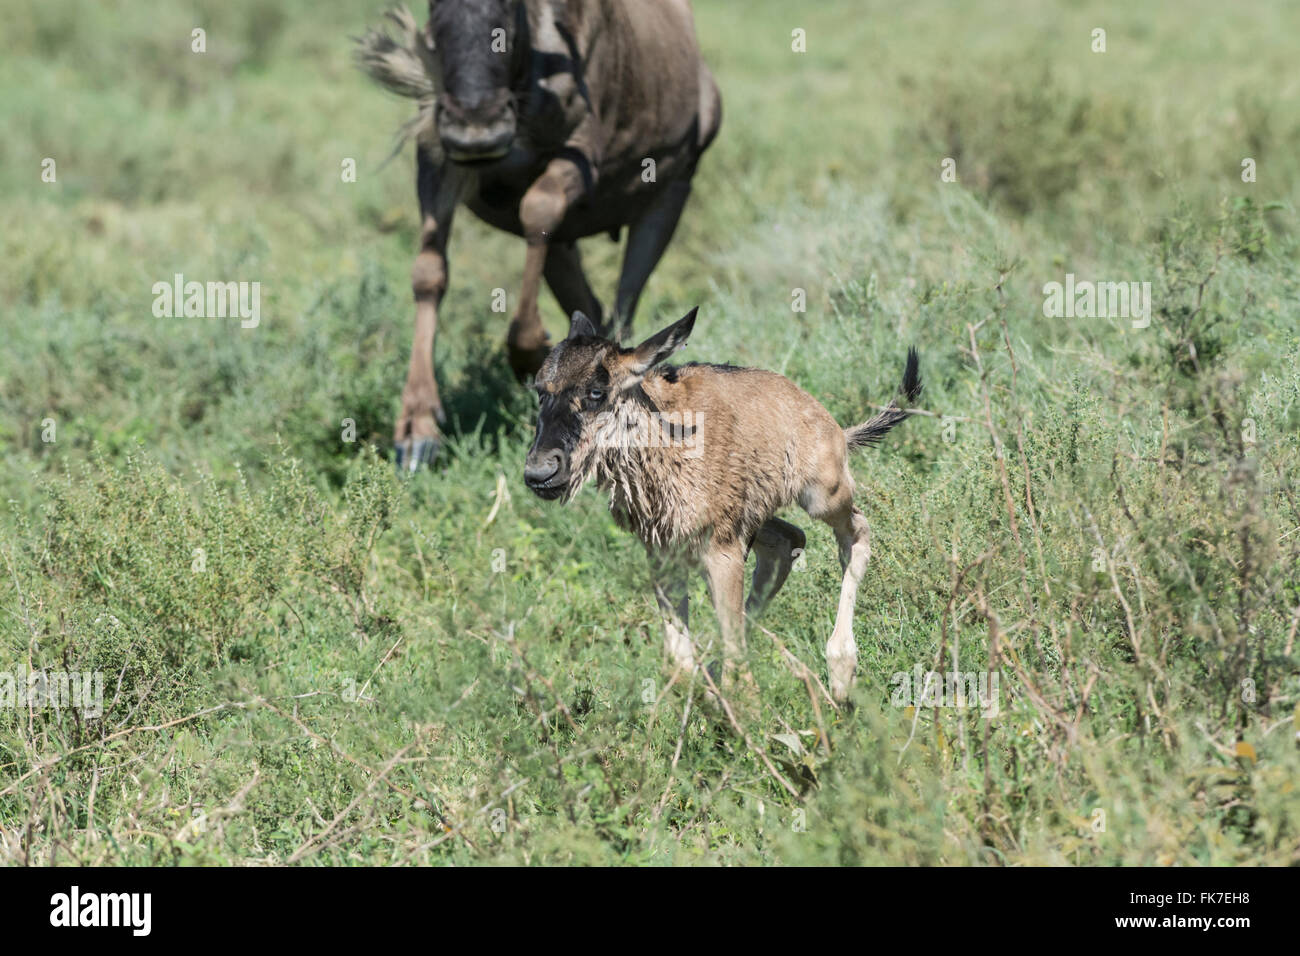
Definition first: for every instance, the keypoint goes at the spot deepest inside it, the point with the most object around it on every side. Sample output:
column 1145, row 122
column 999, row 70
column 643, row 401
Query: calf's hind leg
column 854, row 538
column 776, row 545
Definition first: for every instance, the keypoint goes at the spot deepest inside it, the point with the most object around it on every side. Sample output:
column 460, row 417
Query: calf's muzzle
column 545, row 474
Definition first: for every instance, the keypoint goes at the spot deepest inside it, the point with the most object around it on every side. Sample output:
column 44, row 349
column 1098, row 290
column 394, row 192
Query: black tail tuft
column 911, row 387
column 873, row 429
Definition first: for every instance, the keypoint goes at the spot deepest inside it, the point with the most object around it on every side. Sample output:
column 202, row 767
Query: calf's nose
column 539, row 469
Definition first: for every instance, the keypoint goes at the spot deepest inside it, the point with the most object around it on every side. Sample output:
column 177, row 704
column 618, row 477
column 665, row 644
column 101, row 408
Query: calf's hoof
column 841, row 674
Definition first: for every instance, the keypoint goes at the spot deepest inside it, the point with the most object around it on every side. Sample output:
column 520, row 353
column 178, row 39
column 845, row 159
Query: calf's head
column 581, row 386
column 475, row 42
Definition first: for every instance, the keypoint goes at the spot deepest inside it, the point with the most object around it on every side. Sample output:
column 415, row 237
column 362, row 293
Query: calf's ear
column 662, row 344
column 581, row 325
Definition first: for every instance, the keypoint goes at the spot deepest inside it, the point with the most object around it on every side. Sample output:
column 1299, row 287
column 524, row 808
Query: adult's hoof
column 527, row 348
column 412, row 454
column 525, row 362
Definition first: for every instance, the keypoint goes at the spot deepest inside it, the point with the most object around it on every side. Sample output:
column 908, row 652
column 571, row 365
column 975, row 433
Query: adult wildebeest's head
column 476, row 41
column 586, row 388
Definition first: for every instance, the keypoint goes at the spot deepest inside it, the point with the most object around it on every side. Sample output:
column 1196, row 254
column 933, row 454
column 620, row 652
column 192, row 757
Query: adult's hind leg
column 776, row 545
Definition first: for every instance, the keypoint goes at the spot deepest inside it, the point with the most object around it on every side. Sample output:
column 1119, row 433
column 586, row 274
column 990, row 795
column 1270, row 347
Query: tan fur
column 729, row 448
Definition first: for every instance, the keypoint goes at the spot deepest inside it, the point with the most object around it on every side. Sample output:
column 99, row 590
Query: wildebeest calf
column 698, row 460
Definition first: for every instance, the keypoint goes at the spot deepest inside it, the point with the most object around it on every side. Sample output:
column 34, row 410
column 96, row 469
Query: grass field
column 307, row 660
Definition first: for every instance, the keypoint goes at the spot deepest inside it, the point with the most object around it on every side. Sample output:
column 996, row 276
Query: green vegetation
column 308, row 660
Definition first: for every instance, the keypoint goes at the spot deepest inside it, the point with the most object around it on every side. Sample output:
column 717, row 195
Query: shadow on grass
column 486, row 400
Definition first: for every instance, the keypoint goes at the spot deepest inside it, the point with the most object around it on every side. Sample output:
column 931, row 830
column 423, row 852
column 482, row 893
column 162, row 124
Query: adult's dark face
column 475, row 110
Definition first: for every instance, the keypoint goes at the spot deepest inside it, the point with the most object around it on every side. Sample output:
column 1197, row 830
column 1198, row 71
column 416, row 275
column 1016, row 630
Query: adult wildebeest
column 698, row 460
column 553, row 120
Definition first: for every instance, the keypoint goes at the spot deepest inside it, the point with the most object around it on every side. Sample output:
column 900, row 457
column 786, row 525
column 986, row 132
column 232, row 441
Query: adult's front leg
column 646, row 241
column 540, row 212
column 416, row 436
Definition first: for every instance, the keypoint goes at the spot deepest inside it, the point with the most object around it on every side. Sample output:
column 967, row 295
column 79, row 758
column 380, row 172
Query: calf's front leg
column 674, row 610
column 724, row 568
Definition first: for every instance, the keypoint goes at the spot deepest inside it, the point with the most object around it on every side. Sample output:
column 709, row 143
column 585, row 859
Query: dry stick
column 1181, row 564
column 458, row 829
column 529, row 673
column 234, row 806
column 556, row 750
column 681, row 741
column 749, row 742
column 1275, row 687
column 1290, row 637
column 57, row 758
column 1094, row 673
column 1119, row 593
column 997, row 442
column 1008, row 501
column 1024, row 459
column 1272, row 727
column 681, row 729
column 90, row 813
column 1137, row 579
column 1039, row 699
column 314, row 844
column 534, row 702
column 420, row 802
column 678, row 670
column 954, row 655
column 559, row 703
column 943, row 639
column 419, row 554
column 811, row 681
column 916, row 717
column 994, row 665
column 31, row 639
column 502, row 494
column 362, row 692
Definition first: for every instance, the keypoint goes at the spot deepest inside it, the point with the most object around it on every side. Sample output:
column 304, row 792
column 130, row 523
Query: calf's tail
column 873, row 429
